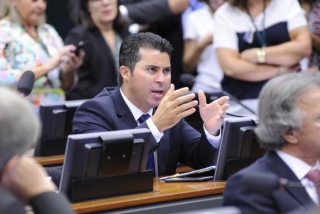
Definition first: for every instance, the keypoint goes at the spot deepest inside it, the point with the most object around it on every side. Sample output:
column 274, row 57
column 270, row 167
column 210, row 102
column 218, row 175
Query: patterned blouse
column 20, row 52
column 314, row 26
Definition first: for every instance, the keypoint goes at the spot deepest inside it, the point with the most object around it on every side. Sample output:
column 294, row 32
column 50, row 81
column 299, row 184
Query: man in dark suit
column 144, row 79
column 22, row 179
column 289, row 128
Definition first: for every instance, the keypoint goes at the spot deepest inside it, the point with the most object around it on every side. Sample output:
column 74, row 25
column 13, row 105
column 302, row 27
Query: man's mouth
column 158, row 92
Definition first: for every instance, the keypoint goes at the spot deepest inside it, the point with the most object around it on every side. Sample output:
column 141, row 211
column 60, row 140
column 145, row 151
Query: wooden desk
column 163, row 192
column 50, row 160
column 58, row 160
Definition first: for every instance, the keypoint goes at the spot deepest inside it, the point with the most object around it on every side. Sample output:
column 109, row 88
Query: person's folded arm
column 287, row 53
column 290, row 53
column 238, row 68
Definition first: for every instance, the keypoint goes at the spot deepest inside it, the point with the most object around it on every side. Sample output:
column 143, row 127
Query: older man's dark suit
column 181, row 143
column 282, row 200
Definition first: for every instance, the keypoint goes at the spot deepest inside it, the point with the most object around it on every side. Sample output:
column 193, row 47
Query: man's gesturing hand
column 213, row 113
column 176, row 104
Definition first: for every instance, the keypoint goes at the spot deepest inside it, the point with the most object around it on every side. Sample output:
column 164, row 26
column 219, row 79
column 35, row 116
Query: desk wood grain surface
column 163, row 192
column 50, row 160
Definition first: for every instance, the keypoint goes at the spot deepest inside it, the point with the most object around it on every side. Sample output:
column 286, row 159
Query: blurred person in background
column 101, row 28
column 28, row 43
column 166, row 21
column 257, row 40
column 199, row 53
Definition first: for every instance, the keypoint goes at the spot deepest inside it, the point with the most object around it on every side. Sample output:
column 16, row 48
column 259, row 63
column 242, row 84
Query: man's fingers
column 186, row 106
column 202, row 99
column 185, row 99
column 225, row 106
column 177, row 93
column 186, row 113
column 223, row 100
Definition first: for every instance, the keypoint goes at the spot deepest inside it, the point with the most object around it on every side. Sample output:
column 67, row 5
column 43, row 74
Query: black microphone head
column 187, row 79
column 264, row 182
column 25, row 84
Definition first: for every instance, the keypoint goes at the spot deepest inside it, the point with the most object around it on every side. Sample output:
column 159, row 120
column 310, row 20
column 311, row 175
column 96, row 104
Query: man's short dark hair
column 130, row 49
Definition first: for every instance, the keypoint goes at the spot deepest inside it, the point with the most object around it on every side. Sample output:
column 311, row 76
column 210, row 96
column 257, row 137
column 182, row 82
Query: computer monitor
column 56, row 121
column 239, row 147
column 102, row 154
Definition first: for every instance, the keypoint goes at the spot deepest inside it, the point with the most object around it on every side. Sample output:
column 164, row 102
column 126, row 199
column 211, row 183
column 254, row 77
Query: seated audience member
column 289, row 112
column 28, row 43
column 145, row 92
column 102, row 32
column 257, row 40
column 199, row 52
column 22, row 179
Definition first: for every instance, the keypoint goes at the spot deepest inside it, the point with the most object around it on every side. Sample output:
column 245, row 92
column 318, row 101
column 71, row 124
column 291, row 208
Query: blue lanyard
column 261, row 35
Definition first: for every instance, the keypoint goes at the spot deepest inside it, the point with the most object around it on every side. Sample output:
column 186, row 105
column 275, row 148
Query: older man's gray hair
column 277, row 110
column 19, row 125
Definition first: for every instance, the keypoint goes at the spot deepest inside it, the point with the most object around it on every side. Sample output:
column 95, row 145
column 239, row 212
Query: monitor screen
column 104, row 153
column 239, row 147
column 56, row 119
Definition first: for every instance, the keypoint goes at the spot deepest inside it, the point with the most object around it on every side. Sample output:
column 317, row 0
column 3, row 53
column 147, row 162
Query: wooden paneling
column 163, row 192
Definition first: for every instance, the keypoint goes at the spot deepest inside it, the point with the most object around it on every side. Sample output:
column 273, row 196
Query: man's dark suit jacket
column 252, row 201
column 99, row 67
column 181, row 143
column 45, row 203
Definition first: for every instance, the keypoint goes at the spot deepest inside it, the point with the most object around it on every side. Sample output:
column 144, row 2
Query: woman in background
column 102, row 30
column 199, row 52
column 257, row 40
column 28, row 43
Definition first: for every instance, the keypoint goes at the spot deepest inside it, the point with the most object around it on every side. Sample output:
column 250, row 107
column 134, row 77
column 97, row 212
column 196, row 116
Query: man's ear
column 291, row 137
column 124, row 72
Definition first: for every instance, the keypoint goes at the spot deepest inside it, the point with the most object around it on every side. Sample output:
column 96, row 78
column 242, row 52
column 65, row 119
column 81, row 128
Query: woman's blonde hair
column 8, row 10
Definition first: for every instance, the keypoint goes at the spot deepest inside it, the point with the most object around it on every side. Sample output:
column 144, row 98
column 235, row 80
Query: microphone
column 268, row 181
column 25, row 84
column 189, row 79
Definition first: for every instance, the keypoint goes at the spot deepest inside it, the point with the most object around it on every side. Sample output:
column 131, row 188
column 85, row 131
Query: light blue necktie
column 150, row 161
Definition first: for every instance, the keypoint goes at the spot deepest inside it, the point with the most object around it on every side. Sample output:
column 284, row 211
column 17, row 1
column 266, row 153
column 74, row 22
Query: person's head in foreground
column 20, row 129
column 289, row 115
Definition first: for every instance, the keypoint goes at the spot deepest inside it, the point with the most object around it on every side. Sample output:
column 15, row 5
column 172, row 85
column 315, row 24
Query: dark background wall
column 58, row 15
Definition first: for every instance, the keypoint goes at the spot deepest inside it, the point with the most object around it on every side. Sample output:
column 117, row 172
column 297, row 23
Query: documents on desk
column 182, row 175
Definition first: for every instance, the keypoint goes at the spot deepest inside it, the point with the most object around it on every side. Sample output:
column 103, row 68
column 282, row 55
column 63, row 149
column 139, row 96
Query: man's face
column 308, row 138
column 147, row 84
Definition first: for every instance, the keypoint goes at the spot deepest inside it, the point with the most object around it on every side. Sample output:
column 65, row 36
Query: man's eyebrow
column 158, row 67
column 153, row 66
